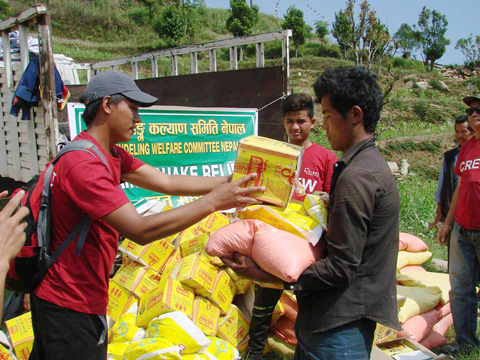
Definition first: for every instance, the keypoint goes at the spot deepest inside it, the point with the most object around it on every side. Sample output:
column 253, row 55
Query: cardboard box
column 223, row 291
column 119, row 300
column 233, row 327
column 276, row 164
column 241, row 283
column 174, row 257
column 130, row 274
column 153, row 255
column 6, row 354
column 197, row 245
column 20, row 331
column 406, row 345
column 175, row 296
column 194, row 271
column 206, row 315
column 215, row 221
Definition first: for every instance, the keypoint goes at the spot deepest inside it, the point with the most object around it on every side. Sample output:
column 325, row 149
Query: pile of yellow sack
column 424, row 308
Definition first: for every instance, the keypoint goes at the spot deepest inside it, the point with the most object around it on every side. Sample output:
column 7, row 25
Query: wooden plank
column 260, row 54
column 154, row 67
column 194, row 62
column 135, row 70
column 174, row 65
column 48, row 84
column 286, row 62
column 3, row 140
column 24, row 16
column 7, row 60
column 233, row 58
column 213, row 60
column 238, row 41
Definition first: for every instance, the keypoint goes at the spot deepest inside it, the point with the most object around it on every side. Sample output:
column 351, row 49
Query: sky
column 462, row 15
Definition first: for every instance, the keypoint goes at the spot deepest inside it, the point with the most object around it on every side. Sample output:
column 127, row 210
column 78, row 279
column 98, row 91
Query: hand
column 247, row 268
column 444, row 234
column 26, row 302
column 439, row 217
column 233, row 195
column 12, row 228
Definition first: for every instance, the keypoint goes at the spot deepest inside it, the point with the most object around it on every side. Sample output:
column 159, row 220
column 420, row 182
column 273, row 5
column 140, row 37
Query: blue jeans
column 352, row 341
column 464, row 268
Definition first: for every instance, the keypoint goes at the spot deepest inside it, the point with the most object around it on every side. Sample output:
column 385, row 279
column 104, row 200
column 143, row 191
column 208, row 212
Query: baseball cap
column 112, row 83
column 469, row 99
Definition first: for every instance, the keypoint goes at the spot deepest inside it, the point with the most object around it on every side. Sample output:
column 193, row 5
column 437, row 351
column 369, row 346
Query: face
column 339, row 130
column 462, row 133
column 123, row 119
column 474, row 119
column 297, row 125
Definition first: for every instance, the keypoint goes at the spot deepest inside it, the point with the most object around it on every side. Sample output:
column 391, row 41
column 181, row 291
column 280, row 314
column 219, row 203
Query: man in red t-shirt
column 464, row 261
column 69, row 306
column 315, row 175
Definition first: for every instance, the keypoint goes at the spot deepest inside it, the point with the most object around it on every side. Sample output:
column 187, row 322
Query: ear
column 357, row 114
column 107, row 105
column 314, row 121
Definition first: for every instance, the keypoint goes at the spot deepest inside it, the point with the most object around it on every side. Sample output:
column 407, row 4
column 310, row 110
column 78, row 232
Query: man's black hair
column 462, row 119
column 92, row 108
column 349, row 86
column 296, row 102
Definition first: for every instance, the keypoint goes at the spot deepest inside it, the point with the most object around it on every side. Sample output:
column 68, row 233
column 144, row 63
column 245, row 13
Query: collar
column 354, row 150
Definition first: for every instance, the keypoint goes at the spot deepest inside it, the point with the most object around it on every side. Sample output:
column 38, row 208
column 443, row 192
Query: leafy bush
column 420, row 108
column 435, row 83
column 139, row 15
column 329, row 50
column 408, row 64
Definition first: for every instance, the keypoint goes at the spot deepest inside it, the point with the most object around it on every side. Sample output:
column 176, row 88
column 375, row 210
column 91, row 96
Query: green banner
column 182, row 141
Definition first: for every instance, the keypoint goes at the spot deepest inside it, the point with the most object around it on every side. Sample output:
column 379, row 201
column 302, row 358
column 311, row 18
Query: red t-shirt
column 82, row 184
column 317, row 170
column 468, row 168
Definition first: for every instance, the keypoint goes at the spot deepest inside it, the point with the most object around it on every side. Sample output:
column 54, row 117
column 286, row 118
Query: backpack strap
column 45, row 215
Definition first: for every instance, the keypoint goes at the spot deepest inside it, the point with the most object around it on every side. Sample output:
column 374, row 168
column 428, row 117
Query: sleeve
column 331, row 160
column 91, row 187
column 354, row 201
column 440, row 182
column 129, row 163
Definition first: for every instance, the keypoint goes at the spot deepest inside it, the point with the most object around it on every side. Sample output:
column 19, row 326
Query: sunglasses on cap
column 470, row 110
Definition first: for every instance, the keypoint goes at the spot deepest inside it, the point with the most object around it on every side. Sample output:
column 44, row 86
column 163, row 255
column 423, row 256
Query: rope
column 312, row 9
column 274, row 101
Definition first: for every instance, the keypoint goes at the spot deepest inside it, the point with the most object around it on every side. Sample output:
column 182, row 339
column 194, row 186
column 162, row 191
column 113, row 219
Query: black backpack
column 31, row 264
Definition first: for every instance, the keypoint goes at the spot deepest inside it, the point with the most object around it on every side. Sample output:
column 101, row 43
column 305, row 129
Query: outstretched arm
column 150, row 178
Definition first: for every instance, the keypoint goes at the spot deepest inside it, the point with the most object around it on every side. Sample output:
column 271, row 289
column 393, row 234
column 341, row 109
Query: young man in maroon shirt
column 69, row 306
column 315, row 175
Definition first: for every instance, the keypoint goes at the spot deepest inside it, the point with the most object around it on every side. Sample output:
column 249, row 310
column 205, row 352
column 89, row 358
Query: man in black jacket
column 342, row 296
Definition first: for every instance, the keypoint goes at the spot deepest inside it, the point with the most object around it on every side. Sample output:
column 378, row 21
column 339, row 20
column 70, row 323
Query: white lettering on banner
column 309, row 184
column 181, row 170
column 212, row 170
column 470, row 165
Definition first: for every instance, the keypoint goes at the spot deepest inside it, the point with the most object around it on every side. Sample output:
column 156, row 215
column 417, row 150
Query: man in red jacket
column 69, row 306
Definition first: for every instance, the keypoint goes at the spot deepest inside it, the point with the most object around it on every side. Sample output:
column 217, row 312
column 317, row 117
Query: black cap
column 469, row 99
column 112, row 83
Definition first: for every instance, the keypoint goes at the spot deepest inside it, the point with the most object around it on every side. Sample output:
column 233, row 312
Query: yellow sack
column 195, row 357
column 116, row 350
column 152, row 349
column 419, row 300
column 316, row 208
column 412, row 258
column 425, row 278
column 125, row 330
column 291, row 219
column 180, row 330
column 221, row 350
column 277, row 345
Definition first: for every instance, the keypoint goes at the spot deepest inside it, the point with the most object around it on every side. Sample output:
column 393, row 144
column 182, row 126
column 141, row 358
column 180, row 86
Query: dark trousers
column 62, row 333
column 265, row 301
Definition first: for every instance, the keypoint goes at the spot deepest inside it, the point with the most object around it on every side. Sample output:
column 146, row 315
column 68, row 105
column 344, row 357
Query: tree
column 366, row 36
column 470, row 48
column 321, row 29
column 407, row 40
column 4, row 9
column 242, row 19
column 170, row 24
column 294, row 21
column 432, row 28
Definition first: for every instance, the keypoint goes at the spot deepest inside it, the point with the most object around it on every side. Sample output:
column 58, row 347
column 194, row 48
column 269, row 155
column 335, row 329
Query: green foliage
column 342, row 31
column 329, row 50
column 4, row 9
column 435, row 83
column 408, row 64
column 294, row 20
column 321, row 29
column 139, row 16
column 470, row 48
column 432, row 28
column 407, row 40
column 242, row 18
column 170, row 24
